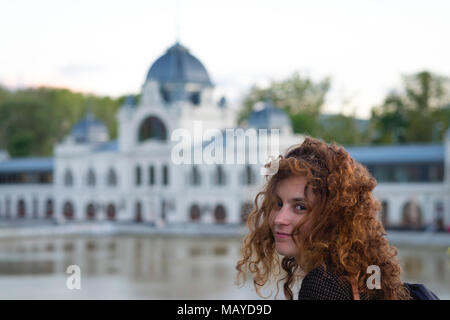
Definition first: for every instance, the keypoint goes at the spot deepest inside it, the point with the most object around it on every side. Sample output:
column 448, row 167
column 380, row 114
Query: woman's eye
column 300, row 207
column 280, row 204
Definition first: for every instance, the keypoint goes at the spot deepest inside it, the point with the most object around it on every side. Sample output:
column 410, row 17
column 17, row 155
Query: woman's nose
column 282, row 216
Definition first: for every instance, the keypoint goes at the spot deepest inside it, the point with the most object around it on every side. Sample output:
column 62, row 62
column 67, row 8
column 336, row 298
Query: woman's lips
column 282, row 235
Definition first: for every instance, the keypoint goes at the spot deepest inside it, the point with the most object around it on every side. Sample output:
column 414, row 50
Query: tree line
column 33, row 120
column 416, row 112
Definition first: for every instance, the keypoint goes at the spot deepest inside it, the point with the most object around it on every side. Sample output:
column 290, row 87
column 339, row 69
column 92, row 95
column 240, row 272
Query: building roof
column 89, row 129
column 367, row 155
column 398, row 153
column 267, row 115
column 177, row 65
column 26, row 165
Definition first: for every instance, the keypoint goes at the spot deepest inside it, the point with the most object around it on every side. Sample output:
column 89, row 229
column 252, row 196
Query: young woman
column 318, row 212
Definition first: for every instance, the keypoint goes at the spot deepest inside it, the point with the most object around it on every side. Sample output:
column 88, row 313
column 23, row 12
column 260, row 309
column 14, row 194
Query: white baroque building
column 135, row 177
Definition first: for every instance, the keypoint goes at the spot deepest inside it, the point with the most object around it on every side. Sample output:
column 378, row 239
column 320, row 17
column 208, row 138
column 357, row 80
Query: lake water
column 158, row 267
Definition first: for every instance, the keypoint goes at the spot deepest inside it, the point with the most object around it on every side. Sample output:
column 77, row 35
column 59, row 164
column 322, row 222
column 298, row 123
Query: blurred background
column 90, row 93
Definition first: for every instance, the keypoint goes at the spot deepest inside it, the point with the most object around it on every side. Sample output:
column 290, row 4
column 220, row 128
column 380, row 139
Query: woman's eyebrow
column 297, row 199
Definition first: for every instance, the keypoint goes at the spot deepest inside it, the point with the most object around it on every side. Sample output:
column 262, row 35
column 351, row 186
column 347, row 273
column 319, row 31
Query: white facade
column 159, row 202
column 105, row 174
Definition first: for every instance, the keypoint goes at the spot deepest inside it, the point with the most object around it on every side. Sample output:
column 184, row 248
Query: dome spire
column 177, row 22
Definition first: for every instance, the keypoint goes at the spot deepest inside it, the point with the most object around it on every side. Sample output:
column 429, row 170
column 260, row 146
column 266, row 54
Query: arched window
column 196, row 178
column 151, row 175
column 195, row 213
column 439, row 212
column 219, row 176
column 165, row 175
column 111, row 178
column 68, row 178
column 195, row 98
column 165, row 94
column 111, row 212
column 68, row 210
column 91, row 178
column 220, row 214
column 412, row 215
column 49, row 208
column 90, row 211
column 152, row 128
column 21, row 209
column 137, row 175
column 138, row 212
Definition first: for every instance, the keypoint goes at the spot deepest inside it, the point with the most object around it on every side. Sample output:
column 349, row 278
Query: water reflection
column 428, row 265
column 157, row 268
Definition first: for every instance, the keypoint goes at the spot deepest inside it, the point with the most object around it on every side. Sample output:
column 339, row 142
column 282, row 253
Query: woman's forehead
column 292, row 186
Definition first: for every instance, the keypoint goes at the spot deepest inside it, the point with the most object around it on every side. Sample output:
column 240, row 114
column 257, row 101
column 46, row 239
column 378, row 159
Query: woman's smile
column 282, row 235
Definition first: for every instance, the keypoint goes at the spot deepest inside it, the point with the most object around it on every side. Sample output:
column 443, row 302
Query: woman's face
column 290, row 210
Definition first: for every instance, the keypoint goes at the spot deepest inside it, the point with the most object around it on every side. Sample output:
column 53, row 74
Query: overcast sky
column 107, row 47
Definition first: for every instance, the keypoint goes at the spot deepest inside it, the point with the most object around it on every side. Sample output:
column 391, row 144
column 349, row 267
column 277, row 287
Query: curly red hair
column 346, row 234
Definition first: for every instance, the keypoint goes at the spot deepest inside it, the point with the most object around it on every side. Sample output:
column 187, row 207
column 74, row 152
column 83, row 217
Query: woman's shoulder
column 323, row 284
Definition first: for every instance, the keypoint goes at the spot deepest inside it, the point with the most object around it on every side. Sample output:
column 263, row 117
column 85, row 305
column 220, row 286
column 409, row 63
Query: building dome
column 266, row 115
column 177, row 65
column 89, row 130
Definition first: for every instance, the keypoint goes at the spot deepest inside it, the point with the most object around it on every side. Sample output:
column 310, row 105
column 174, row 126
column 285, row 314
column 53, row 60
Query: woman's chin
column 286, row 250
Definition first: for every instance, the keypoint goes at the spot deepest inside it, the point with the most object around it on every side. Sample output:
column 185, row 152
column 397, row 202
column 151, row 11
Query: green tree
column 390, row 121
column 342, row 129
column 4, row 94
column 33, row 120
column 303, row 100
column 418, row 113
column 300, row 97
column 25, row 128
